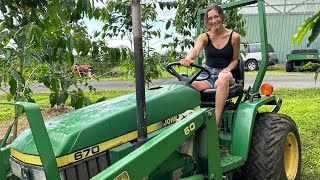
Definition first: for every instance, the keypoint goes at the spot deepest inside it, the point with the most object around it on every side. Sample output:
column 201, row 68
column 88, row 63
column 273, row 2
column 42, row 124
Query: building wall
column 280, row 29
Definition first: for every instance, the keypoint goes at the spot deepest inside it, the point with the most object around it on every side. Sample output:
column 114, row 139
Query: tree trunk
column 139, row 72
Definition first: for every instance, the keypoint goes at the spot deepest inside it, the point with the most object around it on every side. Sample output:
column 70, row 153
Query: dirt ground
column 47, row 113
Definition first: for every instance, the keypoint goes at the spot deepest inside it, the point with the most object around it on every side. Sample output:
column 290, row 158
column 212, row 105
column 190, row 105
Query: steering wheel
column 188, row 79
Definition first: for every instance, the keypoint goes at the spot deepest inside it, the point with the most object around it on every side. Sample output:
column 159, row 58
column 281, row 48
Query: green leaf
column 53, row 99
column 79, row 102
column 65, row 83
column 168, row 25
column 17, row 77
column 67, row 29
column 13, row 87
column 96, row 34
column 315, row 32
column 32, row 64
column 304, row 27
column 60, row 55
column 62, row 98
column 9, row 97
column 70, row 43
column 45, row 80
column 114, row 29
column 161, row 5
column 100, row 99
column 7, row 54
column 77, row 99
column 30, row 99
column 97, row 13
column 167, row 36
column 68, row 60
column 2, row 25
column 54, row 84
column 29, row 32
column 302, row 34
column 86, row 101
column 26, row 72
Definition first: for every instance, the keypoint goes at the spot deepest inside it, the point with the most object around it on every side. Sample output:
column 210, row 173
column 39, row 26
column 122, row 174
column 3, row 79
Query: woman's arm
column 200, row 43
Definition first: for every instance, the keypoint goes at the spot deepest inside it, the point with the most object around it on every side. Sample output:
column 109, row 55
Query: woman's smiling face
column 214, row 19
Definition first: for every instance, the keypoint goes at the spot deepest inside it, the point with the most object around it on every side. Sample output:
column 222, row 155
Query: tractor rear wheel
column 275, row 149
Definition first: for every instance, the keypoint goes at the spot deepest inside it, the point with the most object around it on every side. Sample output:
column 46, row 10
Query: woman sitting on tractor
column 222, row 48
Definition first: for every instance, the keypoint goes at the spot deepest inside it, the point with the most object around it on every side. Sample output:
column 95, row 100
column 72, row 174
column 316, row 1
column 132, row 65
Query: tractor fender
column 244, row 119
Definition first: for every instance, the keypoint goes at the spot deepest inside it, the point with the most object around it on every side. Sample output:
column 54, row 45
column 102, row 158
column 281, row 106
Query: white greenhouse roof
column 285, row 7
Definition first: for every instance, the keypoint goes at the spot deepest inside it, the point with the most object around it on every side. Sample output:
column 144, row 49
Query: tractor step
column 229, row 162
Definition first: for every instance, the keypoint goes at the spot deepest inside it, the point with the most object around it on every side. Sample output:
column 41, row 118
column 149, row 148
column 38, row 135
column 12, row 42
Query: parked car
column 251, row 54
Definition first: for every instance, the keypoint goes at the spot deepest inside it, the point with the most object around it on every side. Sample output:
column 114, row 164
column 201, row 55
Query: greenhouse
column 283, row 19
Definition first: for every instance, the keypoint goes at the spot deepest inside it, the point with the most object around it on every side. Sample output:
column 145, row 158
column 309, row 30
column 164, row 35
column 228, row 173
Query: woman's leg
column 222, row 84
column 200, row 85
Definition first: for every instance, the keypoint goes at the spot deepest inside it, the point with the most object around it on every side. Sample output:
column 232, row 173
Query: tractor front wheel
column 275, row 149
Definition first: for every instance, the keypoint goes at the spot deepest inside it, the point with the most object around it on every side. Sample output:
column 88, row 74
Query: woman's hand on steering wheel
column 186, row 61
column 188, row 79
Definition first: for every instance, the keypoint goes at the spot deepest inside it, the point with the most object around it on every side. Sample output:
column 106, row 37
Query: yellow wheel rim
column 291, row 156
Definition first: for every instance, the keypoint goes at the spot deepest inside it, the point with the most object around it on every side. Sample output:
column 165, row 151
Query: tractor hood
column 109, row 119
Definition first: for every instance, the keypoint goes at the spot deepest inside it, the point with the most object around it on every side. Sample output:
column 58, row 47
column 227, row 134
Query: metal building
column 283, row 19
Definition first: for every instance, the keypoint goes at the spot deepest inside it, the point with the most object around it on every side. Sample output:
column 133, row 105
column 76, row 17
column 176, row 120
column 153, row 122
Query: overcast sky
column 115, row 42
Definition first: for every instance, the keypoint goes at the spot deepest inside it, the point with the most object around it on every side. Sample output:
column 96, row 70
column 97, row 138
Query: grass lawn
column 302, row 105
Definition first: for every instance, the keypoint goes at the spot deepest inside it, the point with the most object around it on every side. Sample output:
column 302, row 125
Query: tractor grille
column 85, row 169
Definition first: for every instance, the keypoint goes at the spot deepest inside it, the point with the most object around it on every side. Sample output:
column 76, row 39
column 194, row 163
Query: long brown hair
column 218, row 9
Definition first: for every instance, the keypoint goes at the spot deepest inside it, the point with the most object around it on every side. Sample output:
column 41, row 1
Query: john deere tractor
column 101, row 141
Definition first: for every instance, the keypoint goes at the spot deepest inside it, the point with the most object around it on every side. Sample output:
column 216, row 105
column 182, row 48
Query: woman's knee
column 224, row 78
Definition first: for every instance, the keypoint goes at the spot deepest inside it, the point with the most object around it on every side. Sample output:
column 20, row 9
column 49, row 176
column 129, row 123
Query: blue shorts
column 214, row 75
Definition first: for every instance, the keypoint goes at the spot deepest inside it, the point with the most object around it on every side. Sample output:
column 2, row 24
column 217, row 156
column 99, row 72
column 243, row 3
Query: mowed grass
column 302, row 105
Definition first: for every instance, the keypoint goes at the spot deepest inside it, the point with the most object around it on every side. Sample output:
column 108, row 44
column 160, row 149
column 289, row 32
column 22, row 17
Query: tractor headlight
column 27, row 171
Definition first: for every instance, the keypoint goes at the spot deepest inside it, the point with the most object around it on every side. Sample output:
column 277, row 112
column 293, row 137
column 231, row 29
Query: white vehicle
column 251, row 54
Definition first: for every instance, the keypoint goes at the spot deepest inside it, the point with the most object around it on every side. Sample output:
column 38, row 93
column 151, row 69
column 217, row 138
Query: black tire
column 275, row 149
column 252, row 65
column 289, row 66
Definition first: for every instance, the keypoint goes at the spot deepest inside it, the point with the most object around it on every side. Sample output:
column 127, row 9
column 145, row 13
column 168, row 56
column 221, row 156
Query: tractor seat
column 208, row 95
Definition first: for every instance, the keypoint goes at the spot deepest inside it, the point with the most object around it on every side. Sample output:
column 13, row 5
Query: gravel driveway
column 292, row 81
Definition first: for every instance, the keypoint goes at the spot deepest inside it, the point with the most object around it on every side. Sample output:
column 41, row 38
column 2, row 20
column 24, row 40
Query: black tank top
column 218, row 58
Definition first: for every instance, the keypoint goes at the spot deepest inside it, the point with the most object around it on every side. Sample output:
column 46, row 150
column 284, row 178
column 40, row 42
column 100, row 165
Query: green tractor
column 101, row 141
column 299, row 58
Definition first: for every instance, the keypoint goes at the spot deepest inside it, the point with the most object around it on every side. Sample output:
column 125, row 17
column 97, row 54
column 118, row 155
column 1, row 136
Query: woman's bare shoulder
column 235, row 36
column 203, row 37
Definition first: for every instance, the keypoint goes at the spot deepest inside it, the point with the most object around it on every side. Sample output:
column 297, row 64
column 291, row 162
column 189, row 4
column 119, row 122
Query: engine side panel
column 109, row 119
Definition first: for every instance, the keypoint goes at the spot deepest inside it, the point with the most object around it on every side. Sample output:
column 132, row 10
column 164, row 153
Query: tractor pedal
column 223, row 150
